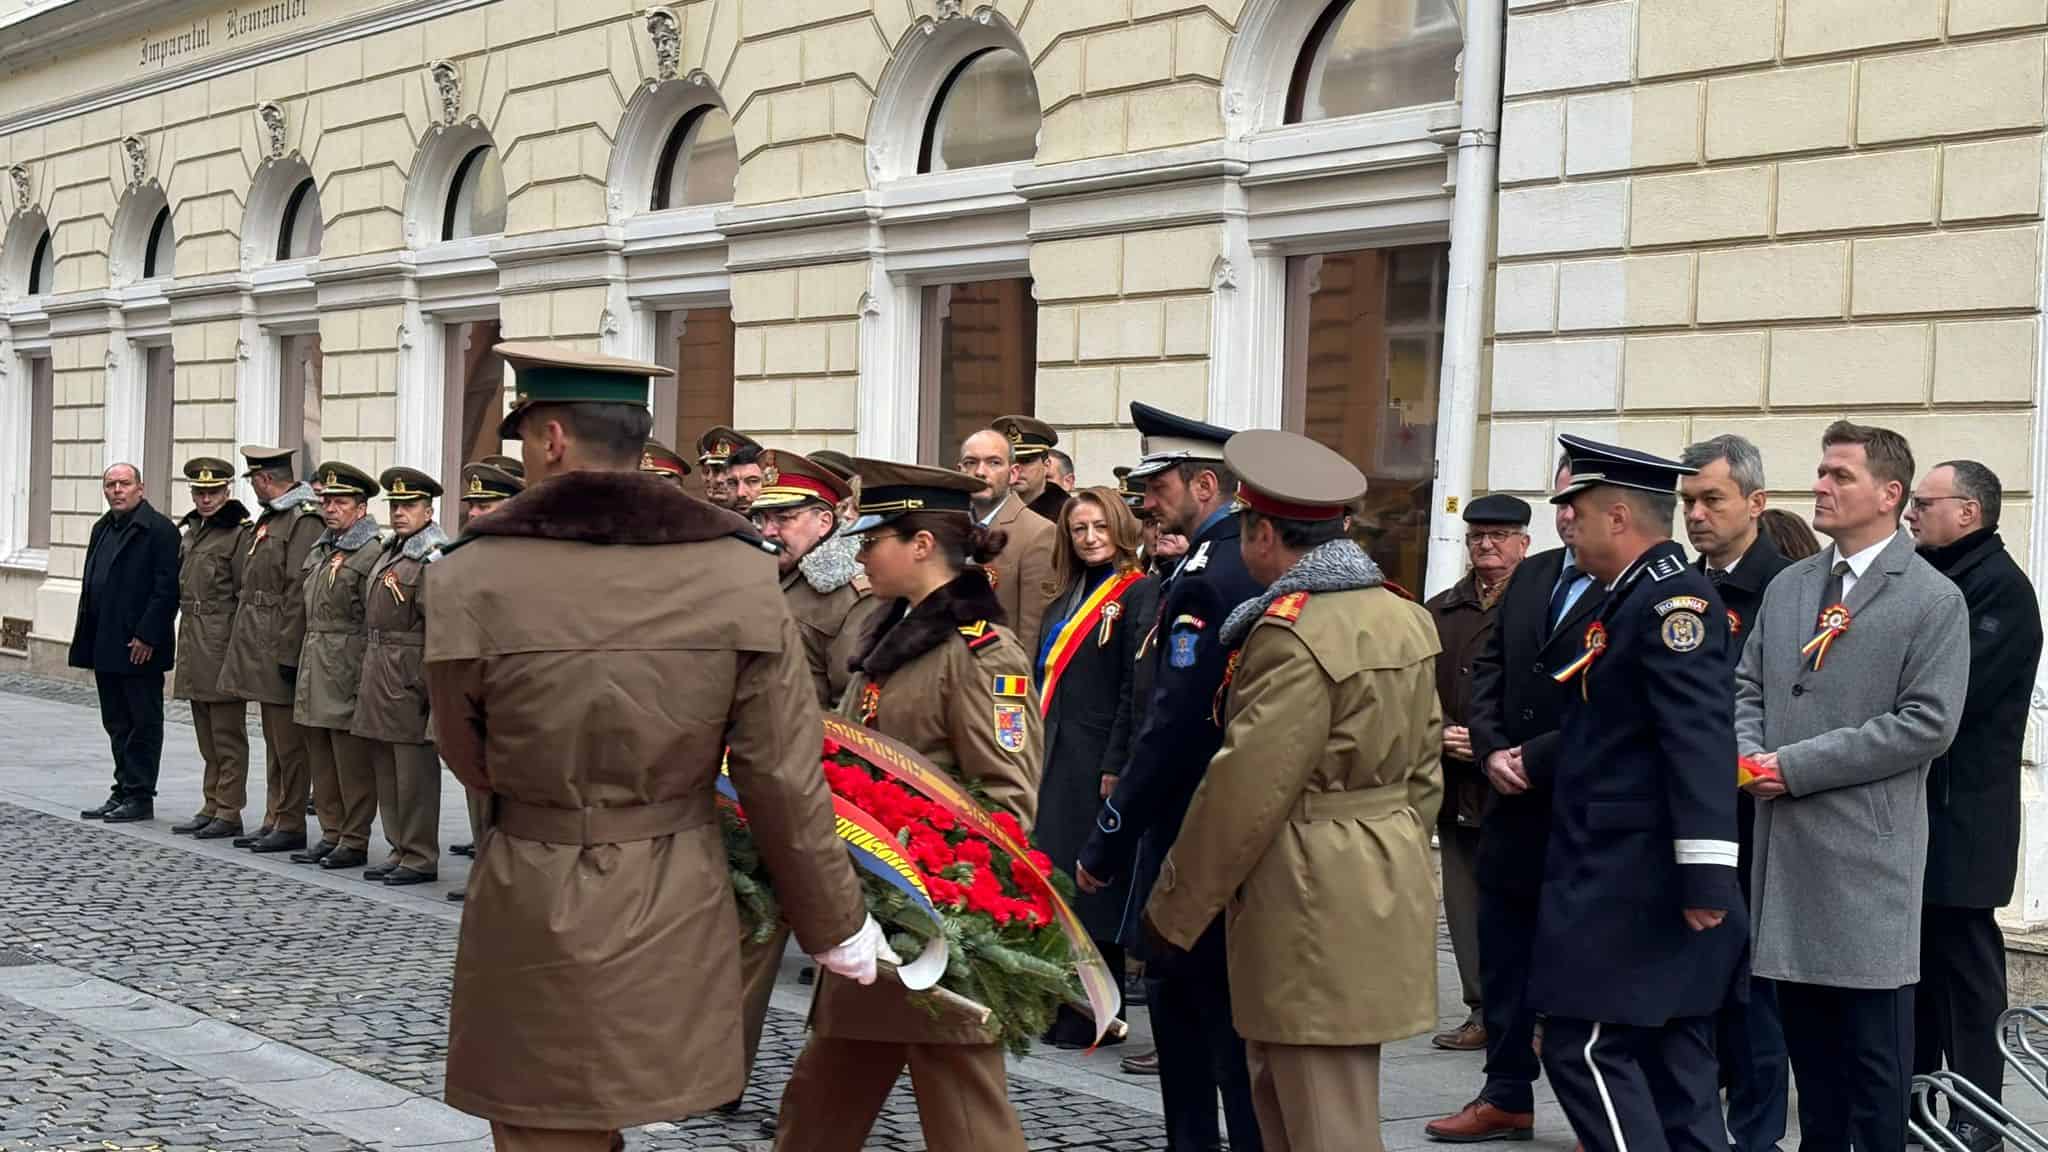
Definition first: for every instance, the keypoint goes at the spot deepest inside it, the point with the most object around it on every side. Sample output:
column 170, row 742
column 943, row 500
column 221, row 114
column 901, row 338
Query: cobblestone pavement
column 64, row 1089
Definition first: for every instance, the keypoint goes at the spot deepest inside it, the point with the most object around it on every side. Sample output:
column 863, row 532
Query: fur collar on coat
column 353, row 537
column 417, row 545
column 896, row 639
column 292, row 497
column 832, row 564
column 231, row 514
column 610, row 508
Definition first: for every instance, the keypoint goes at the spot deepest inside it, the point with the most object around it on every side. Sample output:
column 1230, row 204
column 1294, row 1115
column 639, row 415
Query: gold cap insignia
column 206, row 475
column 647, row 461
column 329, row 480
column 1016, row 434
column 476, row 484
column 400, row 488
column 722, row 448
column 770, row 474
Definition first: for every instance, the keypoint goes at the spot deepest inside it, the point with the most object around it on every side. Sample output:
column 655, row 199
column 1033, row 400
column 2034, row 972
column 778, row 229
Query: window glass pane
column 41, row 418
column 987, row 114
column 477, row 202
column 1365, row 340
column 705, row 161
column 303, row 226
column 1380, row 54
column 42, row 273
column 157, row 447
column 982, row 343
column 161, row 258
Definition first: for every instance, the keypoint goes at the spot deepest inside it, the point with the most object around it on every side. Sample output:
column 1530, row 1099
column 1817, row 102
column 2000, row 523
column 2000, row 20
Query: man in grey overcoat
column 1851, row 685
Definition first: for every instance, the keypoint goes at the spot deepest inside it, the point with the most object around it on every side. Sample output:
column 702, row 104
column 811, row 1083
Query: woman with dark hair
column 1086, row 668
column 941, row 673
column 1794, row 539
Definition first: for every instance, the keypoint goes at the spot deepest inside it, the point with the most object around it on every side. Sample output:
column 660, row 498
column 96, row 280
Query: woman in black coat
column 1086, row 668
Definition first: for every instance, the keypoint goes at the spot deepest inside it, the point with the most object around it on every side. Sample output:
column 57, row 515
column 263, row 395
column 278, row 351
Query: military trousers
column 223, row 730
column 287, row 771
column 1316, row 1098
column 836, row 1090
column 513, row 1138
column 408, row 780
column 1627, row 1088
column 759, row 964
column 344, row 786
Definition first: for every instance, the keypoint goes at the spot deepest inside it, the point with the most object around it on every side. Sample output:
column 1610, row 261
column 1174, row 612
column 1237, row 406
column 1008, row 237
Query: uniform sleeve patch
column 979, row 635
column 1010, row 728
column 1012, row 686
column 1692, row 604
column 1684, row 631
column 1180, row 651
column 1287, row 607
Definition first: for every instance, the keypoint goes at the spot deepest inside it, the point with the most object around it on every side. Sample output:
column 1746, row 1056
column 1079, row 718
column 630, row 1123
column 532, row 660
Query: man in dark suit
column 1516, row 711
column 1191, row 492
column 1724, row 505
column 1973, row 790
column 126, row 632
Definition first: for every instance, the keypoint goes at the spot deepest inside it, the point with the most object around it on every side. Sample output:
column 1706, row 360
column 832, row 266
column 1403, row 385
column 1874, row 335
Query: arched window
column 298, row 233
column 476, row 196
column 985, row 113
column 42, row 267
column 1374, row 55
column 699, row 161
column 159, row 256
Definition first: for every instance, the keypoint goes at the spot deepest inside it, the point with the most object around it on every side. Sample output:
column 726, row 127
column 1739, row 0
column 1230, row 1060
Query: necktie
column 1559, row 598
column 1717, row 575
column 1831, row 592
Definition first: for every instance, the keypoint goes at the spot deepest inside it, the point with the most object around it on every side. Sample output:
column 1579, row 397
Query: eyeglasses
column 1923, row 503
column 1495, row 537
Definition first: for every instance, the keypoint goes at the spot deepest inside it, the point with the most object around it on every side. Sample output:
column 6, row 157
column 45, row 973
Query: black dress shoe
column 219, row 830
column 464, row 850
column 191, row 826
column 132, row 812
column 100, row 812
column 380, row 871
column 453, row 897
column 276, row 841
column 342, row 858
column 250, row 840
column 401, row 877
column 315, row 854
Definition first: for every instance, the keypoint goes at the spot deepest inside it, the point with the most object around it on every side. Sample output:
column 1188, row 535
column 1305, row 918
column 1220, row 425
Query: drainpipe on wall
column 1472, row 212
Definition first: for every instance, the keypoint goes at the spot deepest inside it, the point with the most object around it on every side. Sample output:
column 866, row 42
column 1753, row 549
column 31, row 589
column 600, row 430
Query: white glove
column 855, row 958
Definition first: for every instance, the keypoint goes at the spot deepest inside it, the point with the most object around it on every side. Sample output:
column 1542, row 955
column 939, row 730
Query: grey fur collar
column 360, row 533
column 1338, row 566
column 292, row 497
column 417, row 545
column 831, row 565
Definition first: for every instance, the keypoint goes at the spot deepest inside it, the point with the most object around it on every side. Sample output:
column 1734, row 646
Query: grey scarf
column 292, row 497
column 831, row 565
column 425, row 540
column 1338, row 566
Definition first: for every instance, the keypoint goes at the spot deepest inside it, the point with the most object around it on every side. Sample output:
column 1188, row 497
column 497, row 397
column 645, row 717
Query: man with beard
column 1031, row 445
column 1021, row 575
column 715, row 450
column 206, row 602
column 485, row 485
column 262, row 660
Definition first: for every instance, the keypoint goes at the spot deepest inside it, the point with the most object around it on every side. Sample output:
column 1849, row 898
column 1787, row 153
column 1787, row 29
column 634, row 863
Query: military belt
column 398, row 639
column 206, row 607
column 587, row 826
column 264, row 599
column 1359, row 804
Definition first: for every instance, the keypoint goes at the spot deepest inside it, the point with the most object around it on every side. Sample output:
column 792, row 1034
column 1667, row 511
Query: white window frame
column 16, row 428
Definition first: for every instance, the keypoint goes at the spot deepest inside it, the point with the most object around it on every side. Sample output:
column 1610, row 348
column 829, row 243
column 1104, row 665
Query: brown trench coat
column 597, row 980
column 391, row 697
column 1463, row 622
column 1023, row 571
column 207, row 565
column 938, row 698
column 331, row 660
column 829, row 598
column 270, row 604
column 1311, row 829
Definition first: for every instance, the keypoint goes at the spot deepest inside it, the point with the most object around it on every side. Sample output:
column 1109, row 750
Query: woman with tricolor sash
column 938, row 671
column 1085, row 671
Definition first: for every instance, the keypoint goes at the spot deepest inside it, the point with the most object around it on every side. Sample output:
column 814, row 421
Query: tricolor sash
column 1083, row 621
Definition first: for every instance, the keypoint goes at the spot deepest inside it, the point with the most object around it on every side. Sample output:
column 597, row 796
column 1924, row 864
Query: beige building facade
column 1431, row 233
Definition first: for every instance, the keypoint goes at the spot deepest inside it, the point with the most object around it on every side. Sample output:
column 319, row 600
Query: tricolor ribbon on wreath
column 1596, row 643
column 1833, row 622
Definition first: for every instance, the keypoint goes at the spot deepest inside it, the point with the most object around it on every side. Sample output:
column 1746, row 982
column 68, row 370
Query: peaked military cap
column 1130, row 487
column 482, row 481
column 336, row 478
column 1171, row 439
column 547, row 373
column 209, row 472
column 1029, row 437
column 788, row 479
column 262, row 456
column 839, row 463
column 1594, row 464
column 1291, row 477
column 718, row 443
column 889, row 490
column 510, row 465
column 403, row 484
column 660, row 458
column 1498, row 508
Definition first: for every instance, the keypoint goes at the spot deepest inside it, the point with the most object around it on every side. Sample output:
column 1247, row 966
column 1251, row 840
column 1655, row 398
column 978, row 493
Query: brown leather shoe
column 1467, row 1037
column 1480, row 1121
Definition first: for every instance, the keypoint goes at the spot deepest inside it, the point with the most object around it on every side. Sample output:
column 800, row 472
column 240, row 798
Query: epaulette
column 1665, row 567
column 1397, row 590
column 979, row 635
column 1287, row 607
column 1199, row 560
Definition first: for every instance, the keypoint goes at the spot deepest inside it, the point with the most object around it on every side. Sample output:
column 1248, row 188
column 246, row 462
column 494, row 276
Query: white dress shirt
column 1858, row 565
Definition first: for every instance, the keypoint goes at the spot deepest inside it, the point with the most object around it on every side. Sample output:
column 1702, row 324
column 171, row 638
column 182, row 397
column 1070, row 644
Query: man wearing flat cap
column 214, row 533
column 1031, row 443
column 1313, row 819
column 1496, row 539
column 715, row 451
column 331, row 667
column 1641, row 929
column 593, row 698
column 391, row 701
column 264, row 641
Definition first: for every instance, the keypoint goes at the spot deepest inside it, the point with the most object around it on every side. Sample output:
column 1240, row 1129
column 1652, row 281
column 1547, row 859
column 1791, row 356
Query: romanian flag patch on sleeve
column 1014, row 686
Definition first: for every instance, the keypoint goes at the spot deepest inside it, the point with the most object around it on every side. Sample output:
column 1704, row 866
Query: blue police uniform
column 1642, row 828
column 1188, row 994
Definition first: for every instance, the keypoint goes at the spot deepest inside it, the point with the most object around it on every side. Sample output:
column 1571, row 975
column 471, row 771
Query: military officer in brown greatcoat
column 331, row 667
column 661, row 460
column 391, row 699
column 214, row 533
column 597, row 978
column 486, row 484
column 262, row 659
column 1312, row 822
column 715, row 451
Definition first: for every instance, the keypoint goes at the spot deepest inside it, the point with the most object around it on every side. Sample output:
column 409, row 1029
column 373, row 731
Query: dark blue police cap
column 1171, row 440
column 1593, row 464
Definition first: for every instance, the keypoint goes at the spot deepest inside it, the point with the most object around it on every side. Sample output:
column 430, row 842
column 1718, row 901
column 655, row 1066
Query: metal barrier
column 1966, row 1101
column 2017, row 1032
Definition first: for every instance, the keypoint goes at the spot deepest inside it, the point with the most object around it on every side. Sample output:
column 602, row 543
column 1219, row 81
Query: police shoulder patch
column 1684, row 631
column 1693, row 604
column 979, row 635
column 1287, row 607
